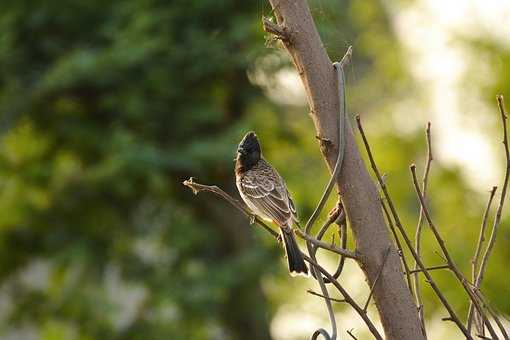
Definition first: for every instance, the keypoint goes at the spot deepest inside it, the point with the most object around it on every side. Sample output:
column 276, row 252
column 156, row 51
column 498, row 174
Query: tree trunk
column 398, row 314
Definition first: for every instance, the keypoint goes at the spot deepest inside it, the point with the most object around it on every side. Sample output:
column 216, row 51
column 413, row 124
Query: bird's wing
column 266, row 190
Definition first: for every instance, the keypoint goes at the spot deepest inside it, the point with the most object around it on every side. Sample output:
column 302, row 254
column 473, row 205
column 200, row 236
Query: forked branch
column 398, row 223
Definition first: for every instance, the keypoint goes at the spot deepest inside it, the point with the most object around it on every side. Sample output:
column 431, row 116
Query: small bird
column 265, row 193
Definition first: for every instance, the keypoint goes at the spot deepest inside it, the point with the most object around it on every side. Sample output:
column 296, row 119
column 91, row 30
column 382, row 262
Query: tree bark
column 398, row 314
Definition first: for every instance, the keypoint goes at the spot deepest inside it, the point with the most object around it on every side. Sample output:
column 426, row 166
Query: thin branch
column 458, row 274
column 492, row 312
column 349, row 331
column 347, row 297
column 324, row 297
column 399, row 246
column 408, row 242
column 425, row 179
column 478, row 253
column 329, row 306
column 343, row 236
column 499, row 210
column 326, row 245
column 336, row 215
column 376, row 279
column 197, row 187
column 444, row 266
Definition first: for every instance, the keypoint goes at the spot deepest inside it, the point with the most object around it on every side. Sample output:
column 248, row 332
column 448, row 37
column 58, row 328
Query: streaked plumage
column 265, row 193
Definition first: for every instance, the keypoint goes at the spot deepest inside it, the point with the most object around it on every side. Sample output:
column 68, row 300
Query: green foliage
column 108, row 107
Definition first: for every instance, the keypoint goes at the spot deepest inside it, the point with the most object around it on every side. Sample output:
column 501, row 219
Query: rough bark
column 398, row 314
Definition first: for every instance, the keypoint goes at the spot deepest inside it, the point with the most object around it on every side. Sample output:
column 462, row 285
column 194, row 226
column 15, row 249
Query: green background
column 107, row 106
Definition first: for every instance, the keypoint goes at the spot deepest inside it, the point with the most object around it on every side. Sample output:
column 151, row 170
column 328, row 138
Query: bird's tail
column 297, row 264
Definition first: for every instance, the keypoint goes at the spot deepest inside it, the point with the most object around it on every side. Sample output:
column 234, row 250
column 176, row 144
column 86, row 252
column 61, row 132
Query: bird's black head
column 248, row 151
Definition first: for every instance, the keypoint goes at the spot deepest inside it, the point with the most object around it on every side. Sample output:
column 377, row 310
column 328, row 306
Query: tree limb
column 395, row 305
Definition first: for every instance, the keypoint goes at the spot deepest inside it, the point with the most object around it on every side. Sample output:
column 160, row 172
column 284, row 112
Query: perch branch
column 197, row 187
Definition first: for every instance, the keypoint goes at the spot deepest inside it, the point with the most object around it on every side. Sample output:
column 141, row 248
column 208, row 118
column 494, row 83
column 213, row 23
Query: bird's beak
column 241, row 150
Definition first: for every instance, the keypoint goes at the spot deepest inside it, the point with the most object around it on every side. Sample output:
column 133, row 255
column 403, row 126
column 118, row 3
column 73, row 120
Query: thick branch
column 397, row 312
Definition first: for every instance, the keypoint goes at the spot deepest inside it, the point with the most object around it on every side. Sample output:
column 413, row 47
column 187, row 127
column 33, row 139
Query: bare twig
column 326, row 245
column 497, row 219
column 349, row 331
column 376, row 279
column 492, row 312
column 197, row 187
column 325, row 297
column 478, row 252
column 343, row 244
column 336, row 215
column 399, row 246
column 444, row 266
column 408, row 242
column 453, row 267
column 419, row 301
column 347, row 297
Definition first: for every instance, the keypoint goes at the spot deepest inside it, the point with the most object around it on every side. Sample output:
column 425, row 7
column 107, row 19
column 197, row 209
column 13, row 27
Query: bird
column 265, row 193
